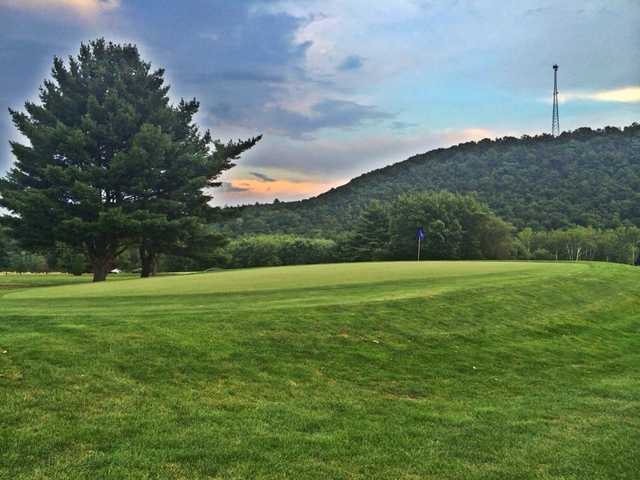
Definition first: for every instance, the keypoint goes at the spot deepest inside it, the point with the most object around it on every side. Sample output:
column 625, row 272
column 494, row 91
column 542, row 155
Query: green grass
column 13, row 281
column 448, row 370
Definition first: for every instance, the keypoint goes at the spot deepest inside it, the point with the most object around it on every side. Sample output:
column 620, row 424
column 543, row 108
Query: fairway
column 311, row 276
column 438, row 370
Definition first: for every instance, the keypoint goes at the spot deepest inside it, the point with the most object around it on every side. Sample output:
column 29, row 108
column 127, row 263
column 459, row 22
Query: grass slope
column 396, row 370
column 17, row 281
column 12, row 281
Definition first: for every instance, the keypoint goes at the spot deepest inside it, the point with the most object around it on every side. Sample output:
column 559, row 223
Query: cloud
column 469, row 39
column 400, row 125
column 352, row 62
column 331, row 113
column 245, row 191
column 236, row 76
column 472, row 134
column 273, row 67
column 617, row 95
column 262, row 176
column 333, row 158
column 327, row 113
column 228, row 187
column 329, row 163
column 85, row 7
column 28, row 44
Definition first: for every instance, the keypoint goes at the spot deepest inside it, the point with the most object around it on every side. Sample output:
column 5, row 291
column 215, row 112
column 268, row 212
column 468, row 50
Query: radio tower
column 555, row 122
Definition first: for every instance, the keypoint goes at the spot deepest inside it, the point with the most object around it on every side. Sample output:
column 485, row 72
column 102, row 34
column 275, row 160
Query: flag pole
column 418, row 247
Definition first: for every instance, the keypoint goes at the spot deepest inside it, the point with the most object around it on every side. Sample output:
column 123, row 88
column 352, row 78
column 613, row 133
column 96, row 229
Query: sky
column 341, row 87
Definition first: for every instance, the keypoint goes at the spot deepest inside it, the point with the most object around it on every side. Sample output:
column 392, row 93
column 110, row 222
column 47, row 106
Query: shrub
column 543, row 254
column 272, row 250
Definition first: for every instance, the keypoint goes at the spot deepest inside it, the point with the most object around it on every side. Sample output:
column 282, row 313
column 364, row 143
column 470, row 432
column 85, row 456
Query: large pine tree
column 111, row 163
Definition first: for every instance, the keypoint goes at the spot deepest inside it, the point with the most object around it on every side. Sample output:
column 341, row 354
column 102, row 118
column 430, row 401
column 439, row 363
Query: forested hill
column 585, row 177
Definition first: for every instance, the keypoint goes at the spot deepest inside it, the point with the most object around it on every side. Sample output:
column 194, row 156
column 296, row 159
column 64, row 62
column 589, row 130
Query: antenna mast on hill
column 555, row 121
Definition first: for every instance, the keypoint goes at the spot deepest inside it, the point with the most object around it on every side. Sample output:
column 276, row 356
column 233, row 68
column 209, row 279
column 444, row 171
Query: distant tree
column 369, row 239
column 63, row 258
column 111, row 163
column 273, row 250
column 542, row 254
column 620, row 245
column 524, row 242
column 496, row 241
column 552, row 241
column 5, row 249
column 579, row 243
column 625, row 244
column 78, row 264
column 456, row 227
column 129, row 260
column 25, row 261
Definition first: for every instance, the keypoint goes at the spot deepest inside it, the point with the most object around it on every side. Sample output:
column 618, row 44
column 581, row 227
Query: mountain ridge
column 582, row 177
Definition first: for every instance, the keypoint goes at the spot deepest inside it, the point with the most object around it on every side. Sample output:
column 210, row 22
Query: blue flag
column 420, row 233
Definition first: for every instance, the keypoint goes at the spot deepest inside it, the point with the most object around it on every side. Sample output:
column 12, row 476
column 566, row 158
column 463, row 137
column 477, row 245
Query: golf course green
column 398, row 370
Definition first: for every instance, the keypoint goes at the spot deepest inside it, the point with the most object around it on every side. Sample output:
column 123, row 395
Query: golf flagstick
column 420, row 235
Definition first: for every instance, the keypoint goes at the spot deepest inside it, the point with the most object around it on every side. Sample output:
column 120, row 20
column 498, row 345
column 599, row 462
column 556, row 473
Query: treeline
column 457, row 227
column 621, row 245
column 581, row 178
column 272, row 250
column 59, row 258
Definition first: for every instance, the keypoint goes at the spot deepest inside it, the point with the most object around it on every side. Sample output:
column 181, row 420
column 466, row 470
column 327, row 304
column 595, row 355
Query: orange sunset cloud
column 280, row 188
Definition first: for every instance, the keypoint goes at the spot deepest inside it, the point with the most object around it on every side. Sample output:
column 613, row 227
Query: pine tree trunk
column 156, row 261
column 148, row 260
column 101, row 267
column 147, row 267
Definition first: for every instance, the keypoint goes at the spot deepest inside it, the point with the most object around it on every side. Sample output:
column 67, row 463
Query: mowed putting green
column 310, row 276
column 443, row 370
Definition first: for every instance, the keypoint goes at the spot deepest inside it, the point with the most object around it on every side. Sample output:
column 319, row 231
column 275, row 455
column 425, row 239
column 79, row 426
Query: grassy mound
column 390, row 370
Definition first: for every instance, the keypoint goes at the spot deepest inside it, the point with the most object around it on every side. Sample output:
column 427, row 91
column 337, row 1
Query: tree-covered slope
column 584, row 177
